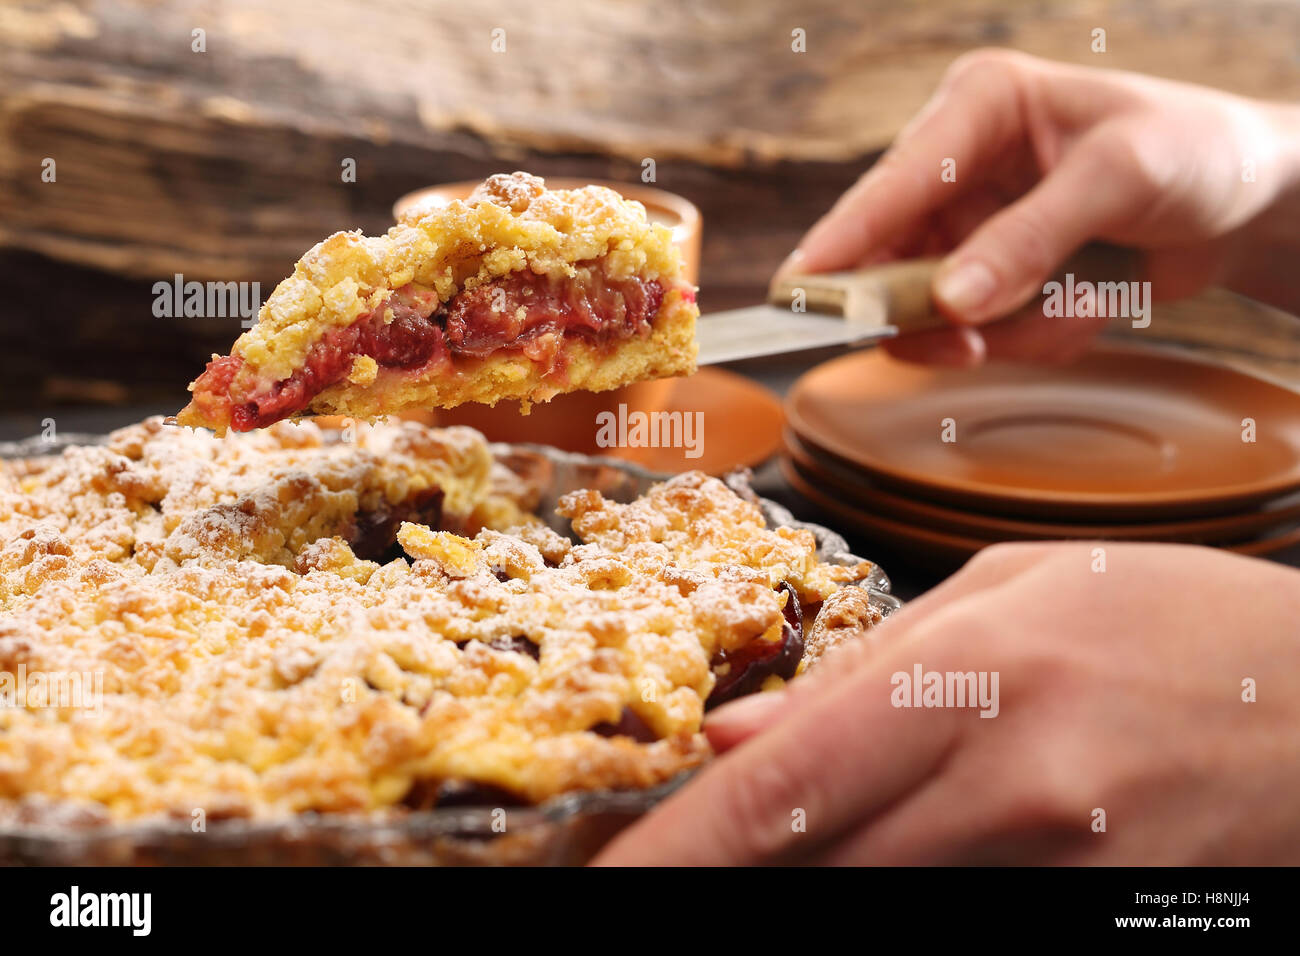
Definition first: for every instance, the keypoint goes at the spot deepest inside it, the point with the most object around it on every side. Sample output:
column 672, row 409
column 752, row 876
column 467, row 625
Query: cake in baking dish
column 368, row 621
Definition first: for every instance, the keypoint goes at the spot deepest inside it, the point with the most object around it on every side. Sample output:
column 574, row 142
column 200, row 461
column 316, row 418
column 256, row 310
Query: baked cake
column 518, row 292
column 157, row 494
column 286, row 622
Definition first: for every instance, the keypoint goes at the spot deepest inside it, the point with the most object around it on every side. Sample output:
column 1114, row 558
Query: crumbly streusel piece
column 510, row 503
column 517, row 292
column 160, row 497
column 693, row 528
column 846, row 615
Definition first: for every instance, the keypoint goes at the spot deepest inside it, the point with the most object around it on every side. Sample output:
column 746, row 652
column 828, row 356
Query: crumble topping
column 159, row 496
column 254, row 664
column 694, row 529
column 845, row 615
column 515, row 191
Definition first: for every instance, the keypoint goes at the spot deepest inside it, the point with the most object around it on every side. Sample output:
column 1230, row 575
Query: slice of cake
column 519, row 292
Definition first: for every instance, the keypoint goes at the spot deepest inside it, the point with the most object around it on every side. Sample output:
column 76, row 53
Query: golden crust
column 159, row 496
column 261, row 680
column 244, row 689
column 846, row 615
column 510, row 223
column 694, row 528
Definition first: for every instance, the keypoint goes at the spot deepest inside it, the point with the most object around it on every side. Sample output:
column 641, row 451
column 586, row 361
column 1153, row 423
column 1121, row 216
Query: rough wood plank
column 225, row 163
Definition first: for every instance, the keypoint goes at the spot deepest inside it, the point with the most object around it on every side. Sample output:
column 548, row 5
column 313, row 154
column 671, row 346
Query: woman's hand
column 1048, row 156
column 1119, row 690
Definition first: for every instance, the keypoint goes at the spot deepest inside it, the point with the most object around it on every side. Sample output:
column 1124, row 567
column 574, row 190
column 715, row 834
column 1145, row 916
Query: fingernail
column 755, row 709
column 966, row 286
column 950, row 348
column 792, row 262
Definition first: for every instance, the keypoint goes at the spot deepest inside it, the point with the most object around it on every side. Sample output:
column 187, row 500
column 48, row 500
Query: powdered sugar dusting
column 254, row 665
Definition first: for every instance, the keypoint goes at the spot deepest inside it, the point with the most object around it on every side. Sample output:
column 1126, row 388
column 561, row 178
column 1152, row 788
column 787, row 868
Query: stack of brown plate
column 1125, row 444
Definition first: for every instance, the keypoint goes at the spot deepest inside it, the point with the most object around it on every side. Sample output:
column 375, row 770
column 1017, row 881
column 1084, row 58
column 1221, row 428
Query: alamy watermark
column 207, row 300
column 637, row 429
column 56, row 690
column 133, row 911
column 922, row 688
column 1082, row 299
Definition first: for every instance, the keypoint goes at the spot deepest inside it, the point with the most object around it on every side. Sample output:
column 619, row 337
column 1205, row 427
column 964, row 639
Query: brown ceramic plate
column 931, row 546
column 927, row 546
column 1122, row 434
column 857, row 491
column 741, row 422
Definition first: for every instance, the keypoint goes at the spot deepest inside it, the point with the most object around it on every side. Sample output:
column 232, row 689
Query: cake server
column 805, row 312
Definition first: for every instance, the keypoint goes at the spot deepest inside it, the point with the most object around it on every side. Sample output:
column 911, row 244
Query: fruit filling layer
column 411, row 331
column 744, row 670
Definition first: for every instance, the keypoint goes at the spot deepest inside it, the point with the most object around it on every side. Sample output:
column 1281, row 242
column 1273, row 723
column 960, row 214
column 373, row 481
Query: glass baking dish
column 566, row 830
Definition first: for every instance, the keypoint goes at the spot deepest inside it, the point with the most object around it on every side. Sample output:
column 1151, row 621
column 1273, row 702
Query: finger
column 953, row 222
column 1179, row 272
column 795, row 785
column 733, row 724
column 955, row 347
column 739, row 809
column 736, row 722
column 950, row 348
column 992, row 567
column 1007, row 794
column 973, row 116
column 1033, row 337
column 1006, row 261
column 958, row 818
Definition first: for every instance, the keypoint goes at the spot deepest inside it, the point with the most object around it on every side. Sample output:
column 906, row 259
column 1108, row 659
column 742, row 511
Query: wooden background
column 225, row 164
